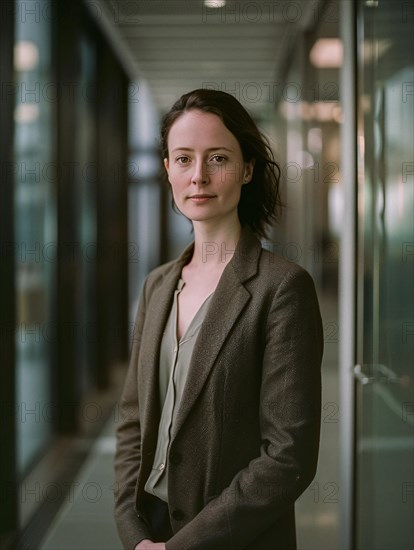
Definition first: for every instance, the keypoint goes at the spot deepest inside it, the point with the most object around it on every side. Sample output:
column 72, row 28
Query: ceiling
column 180, row 45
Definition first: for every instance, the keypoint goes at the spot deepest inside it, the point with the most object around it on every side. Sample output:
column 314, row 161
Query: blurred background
column 85, row 215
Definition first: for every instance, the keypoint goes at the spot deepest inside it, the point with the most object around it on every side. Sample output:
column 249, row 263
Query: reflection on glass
column 84, row 189
column 35, row 230
column 145, row 192
column 385, row 445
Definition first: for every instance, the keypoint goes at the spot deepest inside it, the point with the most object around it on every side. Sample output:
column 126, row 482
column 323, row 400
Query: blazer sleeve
column 289, row 423
column 131, row 526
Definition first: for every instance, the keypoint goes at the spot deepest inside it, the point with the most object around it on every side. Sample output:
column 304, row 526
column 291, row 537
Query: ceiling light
column 214, row 3
column 26, row 55
column 327, row 53
column 26, row 112
column 322, row 111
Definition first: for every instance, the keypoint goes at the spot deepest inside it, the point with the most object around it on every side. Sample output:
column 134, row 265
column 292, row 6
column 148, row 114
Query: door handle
column 370, row 373
column 362, row 377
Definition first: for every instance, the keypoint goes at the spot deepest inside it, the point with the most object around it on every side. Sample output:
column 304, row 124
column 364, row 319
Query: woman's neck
column 214, row 246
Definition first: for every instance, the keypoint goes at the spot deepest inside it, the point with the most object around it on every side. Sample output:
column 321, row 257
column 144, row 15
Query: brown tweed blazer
column 246, row 441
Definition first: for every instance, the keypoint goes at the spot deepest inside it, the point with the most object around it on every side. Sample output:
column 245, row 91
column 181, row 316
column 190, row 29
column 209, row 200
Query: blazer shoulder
column 278, row 270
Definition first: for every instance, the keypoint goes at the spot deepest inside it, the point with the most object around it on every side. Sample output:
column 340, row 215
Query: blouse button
column 161, row 467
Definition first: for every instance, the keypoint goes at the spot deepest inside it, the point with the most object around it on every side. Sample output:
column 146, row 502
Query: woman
column 220, row 413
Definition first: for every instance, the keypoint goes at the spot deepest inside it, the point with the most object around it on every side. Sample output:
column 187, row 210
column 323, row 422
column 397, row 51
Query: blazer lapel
column 157, row 314
column 227, row 303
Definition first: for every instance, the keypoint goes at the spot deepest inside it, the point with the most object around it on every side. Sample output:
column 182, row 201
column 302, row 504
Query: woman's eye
column 218, row 159
column 182, row 160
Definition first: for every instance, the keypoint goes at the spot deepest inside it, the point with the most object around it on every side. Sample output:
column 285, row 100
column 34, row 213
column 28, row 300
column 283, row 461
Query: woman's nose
column 200, row 174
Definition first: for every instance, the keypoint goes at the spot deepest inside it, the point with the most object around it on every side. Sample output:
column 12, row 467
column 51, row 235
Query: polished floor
column 85, row 522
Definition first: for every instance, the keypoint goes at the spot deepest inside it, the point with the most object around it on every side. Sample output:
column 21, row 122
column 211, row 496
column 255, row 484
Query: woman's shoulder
column 277, row 267
column 258, row 265
column 277, row 274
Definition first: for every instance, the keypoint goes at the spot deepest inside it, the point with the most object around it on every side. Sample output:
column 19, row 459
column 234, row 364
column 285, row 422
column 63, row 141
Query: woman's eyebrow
column 209, row 150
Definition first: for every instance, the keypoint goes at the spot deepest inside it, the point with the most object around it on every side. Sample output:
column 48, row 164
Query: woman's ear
column 248, row 170
column 167, row 167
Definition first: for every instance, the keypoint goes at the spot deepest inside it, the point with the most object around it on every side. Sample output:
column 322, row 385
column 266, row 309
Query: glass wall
column 145, row 192
column 35, row 229
column 385, row 352
column 310, row 110
column 311, row 173
column 85, row 189
column 64, row 242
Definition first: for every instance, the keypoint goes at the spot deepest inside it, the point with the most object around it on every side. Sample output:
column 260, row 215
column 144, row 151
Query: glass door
column 385, row 330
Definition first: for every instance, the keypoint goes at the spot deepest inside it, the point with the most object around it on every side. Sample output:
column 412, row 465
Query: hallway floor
column 85, row 522
column 317, row 510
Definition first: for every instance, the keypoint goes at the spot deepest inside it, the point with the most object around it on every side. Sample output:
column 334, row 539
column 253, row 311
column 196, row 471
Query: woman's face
column 205, row 167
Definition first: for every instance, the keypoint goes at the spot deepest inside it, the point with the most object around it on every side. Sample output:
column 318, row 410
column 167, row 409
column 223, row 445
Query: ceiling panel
column 181, row 45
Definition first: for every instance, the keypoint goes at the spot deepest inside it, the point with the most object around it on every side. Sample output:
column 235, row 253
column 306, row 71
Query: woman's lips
column 201, row 198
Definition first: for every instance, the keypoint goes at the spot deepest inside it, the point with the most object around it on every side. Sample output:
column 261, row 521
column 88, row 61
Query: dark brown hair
column 259, row 203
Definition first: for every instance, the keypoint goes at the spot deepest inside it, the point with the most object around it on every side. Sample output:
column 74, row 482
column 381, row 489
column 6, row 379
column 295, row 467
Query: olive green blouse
column 173, row 369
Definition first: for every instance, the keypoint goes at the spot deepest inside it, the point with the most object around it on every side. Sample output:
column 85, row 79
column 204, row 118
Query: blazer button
column 176, row 458
column 178, row 515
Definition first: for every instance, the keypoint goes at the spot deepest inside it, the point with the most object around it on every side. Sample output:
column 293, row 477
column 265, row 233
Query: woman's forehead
column 197, row 128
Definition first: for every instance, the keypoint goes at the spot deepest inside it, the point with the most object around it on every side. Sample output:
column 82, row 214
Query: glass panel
column 85, row 213
column 312, row 194
column 35, row 229
column 385, row 426
column 145, row 191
